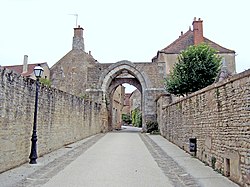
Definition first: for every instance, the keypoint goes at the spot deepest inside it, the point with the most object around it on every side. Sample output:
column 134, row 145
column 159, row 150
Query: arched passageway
column 120, row 73
column 147, row 77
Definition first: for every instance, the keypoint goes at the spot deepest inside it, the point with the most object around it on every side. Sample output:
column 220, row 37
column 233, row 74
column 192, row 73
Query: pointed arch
column 115, row 69
column 108, row 82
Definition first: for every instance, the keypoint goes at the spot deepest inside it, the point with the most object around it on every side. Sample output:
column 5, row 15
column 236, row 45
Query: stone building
column 126, row 106
column 135, row 100
column 69, row 74
column 27, row 70
column 117, row 107
column 136, row 108
column 193, row 37
column 80, row 74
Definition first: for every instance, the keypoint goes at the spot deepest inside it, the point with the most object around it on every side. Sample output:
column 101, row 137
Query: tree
column 197, row 67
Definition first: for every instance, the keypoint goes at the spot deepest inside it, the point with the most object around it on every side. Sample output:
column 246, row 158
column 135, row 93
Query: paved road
column 118, row 159
column 124, row 158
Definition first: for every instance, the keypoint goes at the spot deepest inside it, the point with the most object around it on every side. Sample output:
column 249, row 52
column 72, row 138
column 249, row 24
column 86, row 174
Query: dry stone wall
column 219, row 118
column 62, row 119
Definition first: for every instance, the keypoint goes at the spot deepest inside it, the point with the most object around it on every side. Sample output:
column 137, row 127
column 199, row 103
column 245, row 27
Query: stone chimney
column 25, row 63
column 78, row 41
column 198, row 31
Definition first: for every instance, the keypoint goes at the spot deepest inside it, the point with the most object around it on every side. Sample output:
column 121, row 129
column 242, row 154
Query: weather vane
column 76, row 15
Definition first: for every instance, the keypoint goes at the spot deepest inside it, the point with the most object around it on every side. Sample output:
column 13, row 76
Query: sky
column 117, row 30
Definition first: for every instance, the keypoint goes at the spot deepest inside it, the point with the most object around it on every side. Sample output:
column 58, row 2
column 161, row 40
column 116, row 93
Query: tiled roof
column 180, row 44
column 216, row 46
column 186, row 40
column 19, row 68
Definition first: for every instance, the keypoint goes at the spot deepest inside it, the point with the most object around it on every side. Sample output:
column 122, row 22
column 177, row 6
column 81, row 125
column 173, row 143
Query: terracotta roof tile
column 180, row 44
column 186, row 40
column 216, row 46
column 19, row 68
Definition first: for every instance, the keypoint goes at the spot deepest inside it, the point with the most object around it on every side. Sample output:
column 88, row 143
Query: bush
column 197, row 67
column 126, row 118
column 151, row 126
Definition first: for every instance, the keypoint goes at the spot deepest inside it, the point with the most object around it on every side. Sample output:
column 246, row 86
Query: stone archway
column 147, row 77
column 115, row 83
column 112, row 78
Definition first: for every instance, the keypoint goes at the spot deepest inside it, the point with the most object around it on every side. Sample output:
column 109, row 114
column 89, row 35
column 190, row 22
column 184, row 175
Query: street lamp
column 38, row 71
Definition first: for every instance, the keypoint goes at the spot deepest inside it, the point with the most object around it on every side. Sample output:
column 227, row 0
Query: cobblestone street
column 122, row 158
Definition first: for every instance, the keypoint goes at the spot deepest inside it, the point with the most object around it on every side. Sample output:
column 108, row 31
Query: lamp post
column 38, row 71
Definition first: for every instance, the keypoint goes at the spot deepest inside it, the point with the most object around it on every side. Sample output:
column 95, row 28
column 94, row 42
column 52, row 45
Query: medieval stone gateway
column 146, row 77
column 80, row 74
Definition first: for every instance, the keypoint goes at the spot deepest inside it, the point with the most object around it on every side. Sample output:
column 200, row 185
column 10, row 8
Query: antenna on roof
column 76, row 15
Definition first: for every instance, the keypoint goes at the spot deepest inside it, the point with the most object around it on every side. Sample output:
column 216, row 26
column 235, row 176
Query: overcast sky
column 116, row 30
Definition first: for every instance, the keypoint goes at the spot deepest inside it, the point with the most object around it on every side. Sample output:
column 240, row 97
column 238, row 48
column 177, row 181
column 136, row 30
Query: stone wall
column 135, row 100
column 62, row 119
column 70, row 72
column 218, row 116
column 117, row 105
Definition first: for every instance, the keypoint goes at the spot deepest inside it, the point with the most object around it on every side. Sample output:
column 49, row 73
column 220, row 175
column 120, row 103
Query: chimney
column 181, row 34
column 198, row 31
column 78, row 41
column 25, row 63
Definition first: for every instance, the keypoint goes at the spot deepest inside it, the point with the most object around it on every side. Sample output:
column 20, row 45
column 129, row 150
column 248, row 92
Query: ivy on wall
column 136, row 118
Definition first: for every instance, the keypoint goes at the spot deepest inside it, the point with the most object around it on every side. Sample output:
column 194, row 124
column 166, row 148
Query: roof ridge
column 27, row 64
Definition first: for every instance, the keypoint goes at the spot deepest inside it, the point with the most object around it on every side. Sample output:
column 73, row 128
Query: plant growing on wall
column 45, row 81
column 197, row 67
column 136, row 118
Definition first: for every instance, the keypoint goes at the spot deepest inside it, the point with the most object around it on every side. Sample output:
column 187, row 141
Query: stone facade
column 117, row 106
column 126, row 106
column 62, row 118
column 218, row 116
column 146, row 77
column 69, row 74
column 135, row 100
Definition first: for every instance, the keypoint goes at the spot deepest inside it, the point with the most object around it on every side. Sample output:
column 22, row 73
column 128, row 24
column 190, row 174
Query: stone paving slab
column 118, row 159
column 204, row 175
column 176, row 174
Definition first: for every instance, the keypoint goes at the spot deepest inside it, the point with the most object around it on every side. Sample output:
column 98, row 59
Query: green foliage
column 197, row 67
column 126, row 118
column 151, row 126
column 136, row 118
column 45, row 81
